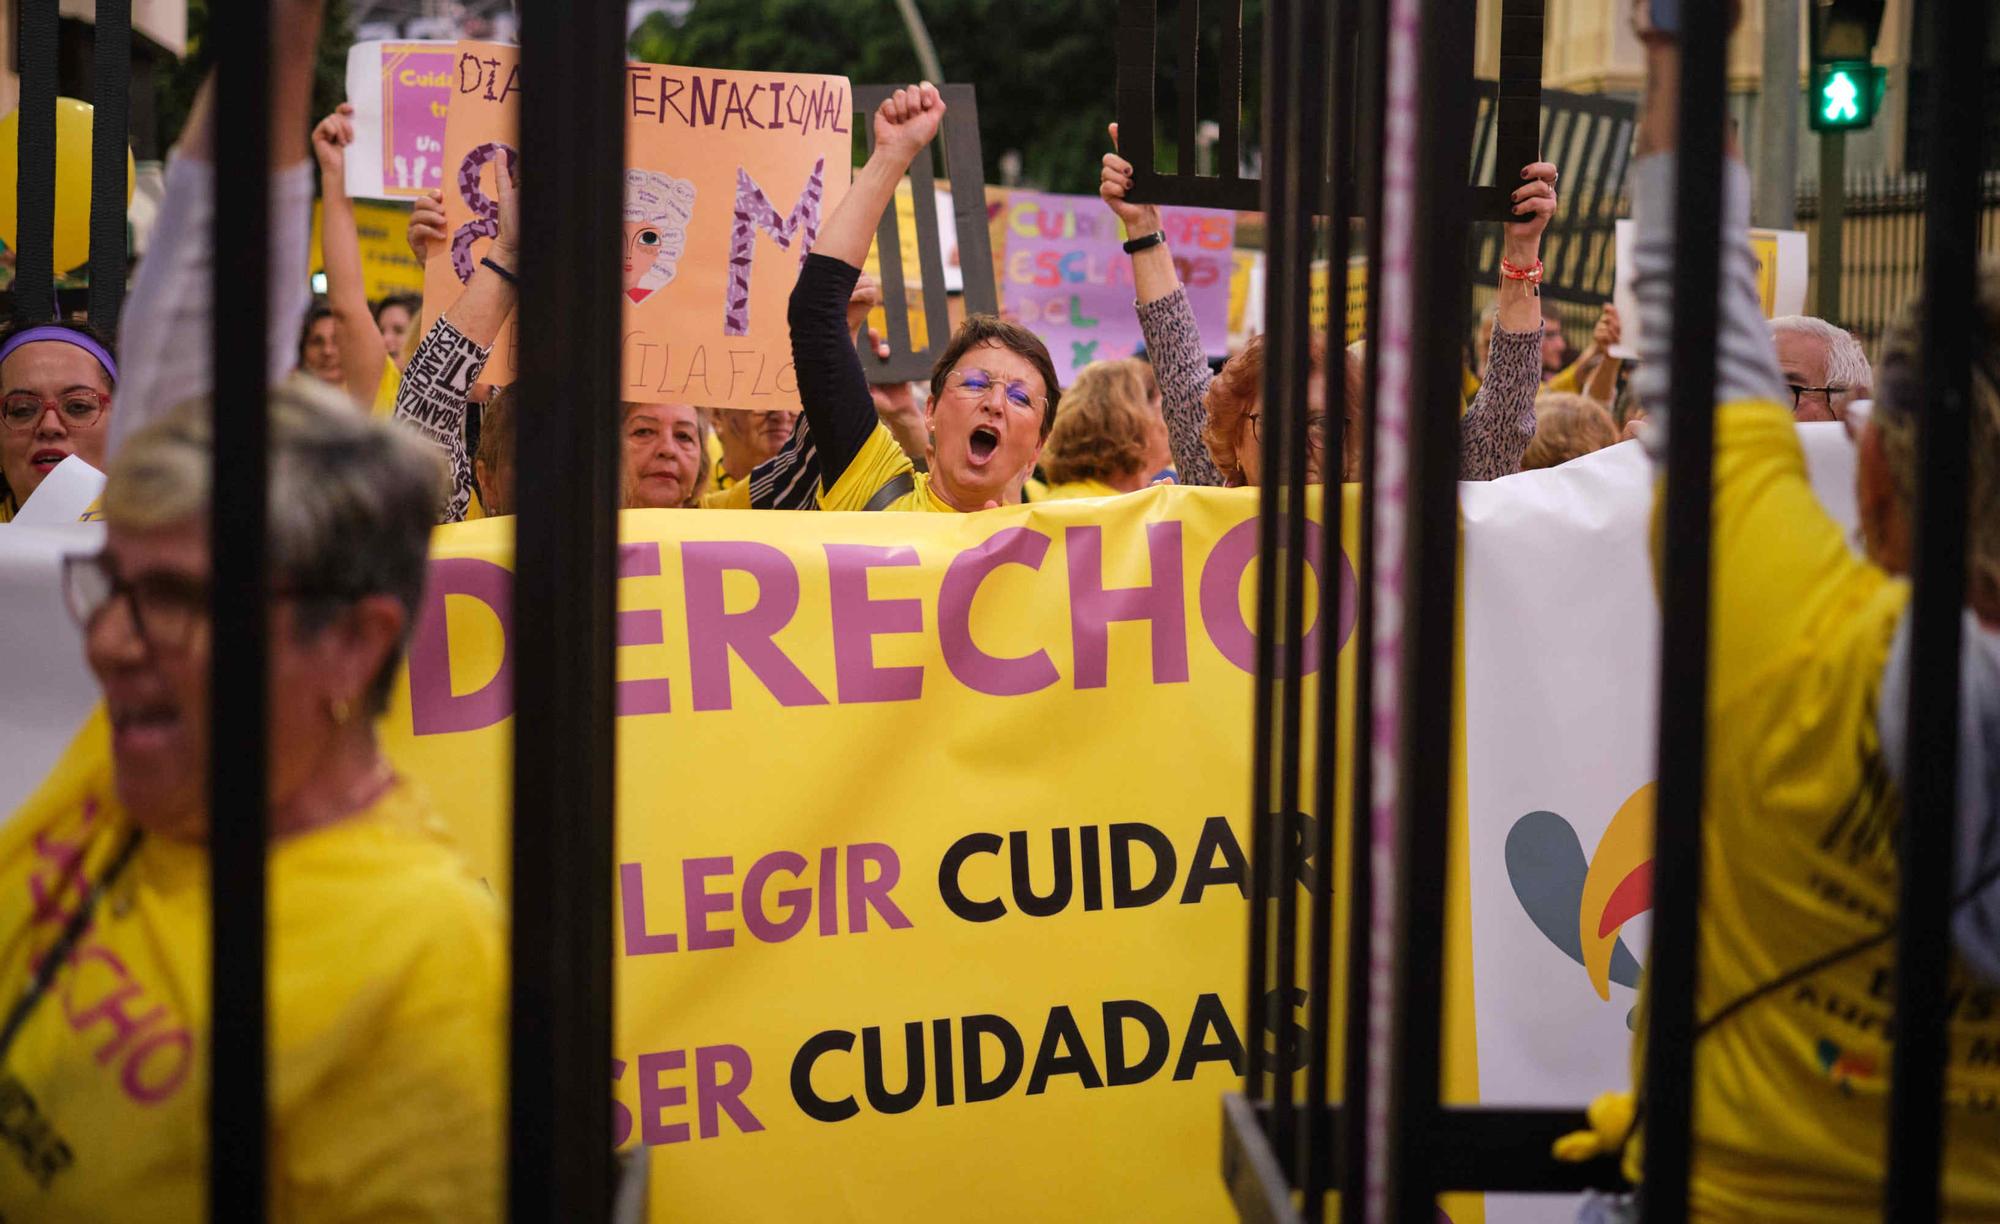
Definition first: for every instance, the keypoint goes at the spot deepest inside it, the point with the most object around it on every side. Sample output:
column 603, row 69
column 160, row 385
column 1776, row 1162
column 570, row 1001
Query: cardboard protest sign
column 401, row 92
column 1068, row 281
column 729, row 175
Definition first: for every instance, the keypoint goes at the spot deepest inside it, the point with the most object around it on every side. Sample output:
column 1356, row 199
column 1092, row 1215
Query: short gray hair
column 352, row 501
column 1846, row 362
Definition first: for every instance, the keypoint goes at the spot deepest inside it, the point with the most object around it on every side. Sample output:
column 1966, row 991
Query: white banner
column 1562, row 657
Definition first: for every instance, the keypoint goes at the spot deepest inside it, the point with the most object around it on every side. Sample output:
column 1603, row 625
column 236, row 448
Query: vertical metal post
column 111, row 108
column 1297, row 139
column 35, row 184
column 1684, row 613
column 1938, row 536
column 1436, row 294
column 1267, row 831
column 1775, row 172
column 1832, row 218
column 238, row 1044
column 1337, row 204
column 1358, row 1096
column 572, row 158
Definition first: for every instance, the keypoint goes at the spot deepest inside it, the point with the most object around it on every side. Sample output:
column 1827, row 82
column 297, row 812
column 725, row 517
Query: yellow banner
column 931, row 853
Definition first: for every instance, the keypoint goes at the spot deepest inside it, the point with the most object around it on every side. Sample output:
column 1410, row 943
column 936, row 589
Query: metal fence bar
column 1351, row 1152
column 573, row 154
column 111, row 104
column 1684, row 615
column 1268, row 831
column 1338, row 203
column 1437, row 291
column 1305, row 84
column 35, row 216
column 1138, row 23
column 1229, row 113
column 1188, row 40
column 238, row 1041
column 907, row 361
column 1938, row 534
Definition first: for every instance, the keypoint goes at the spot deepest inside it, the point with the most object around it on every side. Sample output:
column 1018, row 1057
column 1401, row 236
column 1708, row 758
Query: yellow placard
column 931, row 851
column 387, row 266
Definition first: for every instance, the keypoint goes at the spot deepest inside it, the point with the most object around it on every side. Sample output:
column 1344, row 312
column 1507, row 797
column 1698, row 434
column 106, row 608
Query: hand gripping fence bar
column 559, row 1164
column 238, row 1045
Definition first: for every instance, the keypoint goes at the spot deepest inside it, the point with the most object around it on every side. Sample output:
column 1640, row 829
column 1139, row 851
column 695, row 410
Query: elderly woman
column 1494, row 431
column 1810, row 653
column 1567, row 426
column 56, row 381
column 994, row 391
column 387, row 974
column 1104, row 441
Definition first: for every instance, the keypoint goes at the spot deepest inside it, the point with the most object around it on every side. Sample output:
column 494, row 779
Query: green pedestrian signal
column 1845, row 95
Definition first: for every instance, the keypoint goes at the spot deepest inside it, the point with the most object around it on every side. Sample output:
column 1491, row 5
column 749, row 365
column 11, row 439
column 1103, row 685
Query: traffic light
column 1846, row 89
column 1845, row 95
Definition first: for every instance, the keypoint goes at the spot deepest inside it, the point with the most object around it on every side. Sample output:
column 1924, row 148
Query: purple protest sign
column 1069, row 282
column 416, row 89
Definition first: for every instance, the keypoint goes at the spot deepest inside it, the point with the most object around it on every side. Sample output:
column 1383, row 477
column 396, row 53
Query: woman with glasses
column 1220, row 441
column 387, row 971
column 56, row 381
column 993, row 392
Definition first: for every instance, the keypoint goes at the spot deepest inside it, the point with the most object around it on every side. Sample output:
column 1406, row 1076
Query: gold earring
column 342, row 710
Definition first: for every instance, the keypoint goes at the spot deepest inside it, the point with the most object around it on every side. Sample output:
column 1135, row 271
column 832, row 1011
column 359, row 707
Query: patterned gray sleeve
column 1180, row 365
column 1496, row 430
column 432, row 401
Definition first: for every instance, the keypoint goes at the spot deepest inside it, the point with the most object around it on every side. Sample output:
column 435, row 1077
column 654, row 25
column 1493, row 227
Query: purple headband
column 50, row 331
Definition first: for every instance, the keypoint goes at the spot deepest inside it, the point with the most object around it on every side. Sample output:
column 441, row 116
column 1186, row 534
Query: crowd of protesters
column 382, row 426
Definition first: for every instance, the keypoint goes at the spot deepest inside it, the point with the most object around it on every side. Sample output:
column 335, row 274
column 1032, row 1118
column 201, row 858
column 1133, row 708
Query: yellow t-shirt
column 388, row 1017
column 730, row 497
column 1074, row 489
column 1570, row 379
column 385, row 391
column 878, row 462
column 1799, row 860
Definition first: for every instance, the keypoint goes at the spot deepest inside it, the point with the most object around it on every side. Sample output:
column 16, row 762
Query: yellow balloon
column 72, row 236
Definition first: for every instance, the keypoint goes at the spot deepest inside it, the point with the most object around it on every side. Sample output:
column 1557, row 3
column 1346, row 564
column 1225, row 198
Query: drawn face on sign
column 658, row 208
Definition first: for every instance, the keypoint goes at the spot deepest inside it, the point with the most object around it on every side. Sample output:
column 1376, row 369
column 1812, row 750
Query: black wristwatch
column 1135, row 245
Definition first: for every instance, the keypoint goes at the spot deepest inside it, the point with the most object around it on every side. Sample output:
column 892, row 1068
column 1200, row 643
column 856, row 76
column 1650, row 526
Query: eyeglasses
column 1825, row 394
column 1315, row 429
column 165, row 607
column 79, row 409
column 973, row 384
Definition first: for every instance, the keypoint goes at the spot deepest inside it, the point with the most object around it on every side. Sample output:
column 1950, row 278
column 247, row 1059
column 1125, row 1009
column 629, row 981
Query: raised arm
column 164, row 345
column 1173, row 340
column 362, row 353
column 833, row 389
column 439, row 377
column 1496, row 429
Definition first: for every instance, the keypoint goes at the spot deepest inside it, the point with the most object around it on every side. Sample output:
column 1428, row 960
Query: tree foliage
column 179, row 85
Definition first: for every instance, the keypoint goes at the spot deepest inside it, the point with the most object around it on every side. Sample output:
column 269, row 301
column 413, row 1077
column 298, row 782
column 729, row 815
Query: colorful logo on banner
column 729, row 175
column 1581, row 905
column 1070, row 282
